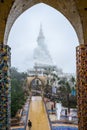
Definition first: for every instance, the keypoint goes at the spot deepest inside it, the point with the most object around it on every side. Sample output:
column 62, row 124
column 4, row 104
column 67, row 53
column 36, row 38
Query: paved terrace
column 36, row 112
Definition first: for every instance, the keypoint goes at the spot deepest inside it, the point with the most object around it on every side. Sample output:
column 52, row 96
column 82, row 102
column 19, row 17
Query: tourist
column 52, row 108
column 29, row 124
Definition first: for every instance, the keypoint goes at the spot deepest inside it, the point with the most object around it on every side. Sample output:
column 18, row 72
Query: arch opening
column 36, row 86
column 56, row 34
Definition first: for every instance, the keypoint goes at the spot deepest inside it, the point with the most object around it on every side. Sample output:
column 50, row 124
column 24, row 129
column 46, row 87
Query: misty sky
column 60, row 38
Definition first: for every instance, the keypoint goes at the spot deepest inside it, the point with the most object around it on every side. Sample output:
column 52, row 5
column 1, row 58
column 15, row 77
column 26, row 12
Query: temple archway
column 36, row 84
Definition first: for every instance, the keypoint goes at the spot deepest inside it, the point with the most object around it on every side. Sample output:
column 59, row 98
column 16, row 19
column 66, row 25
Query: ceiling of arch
column 74, row 10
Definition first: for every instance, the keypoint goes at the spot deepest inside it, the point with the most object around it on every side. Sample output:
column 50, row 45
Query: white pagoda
column 41, row 53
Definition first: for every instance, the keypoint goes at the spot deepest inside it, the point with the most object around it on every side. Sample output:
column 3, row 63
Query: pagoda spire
column 41, row 31
column 41, row 35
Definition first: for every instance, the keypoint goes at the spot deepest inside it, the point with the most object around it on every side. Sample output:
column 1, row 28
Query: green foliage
column 65, row 93
column 72, row 79
column 18, row 97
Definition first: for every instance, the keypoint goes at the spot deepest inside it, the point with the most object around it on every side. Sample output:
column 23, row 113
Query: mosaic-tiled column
column 5, row 87
column 81, row 59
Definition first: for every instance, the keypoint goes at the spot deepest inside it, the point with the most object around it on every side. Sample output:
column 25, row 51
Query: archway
column 36, row 84
column 73, row 16
column 70, row 10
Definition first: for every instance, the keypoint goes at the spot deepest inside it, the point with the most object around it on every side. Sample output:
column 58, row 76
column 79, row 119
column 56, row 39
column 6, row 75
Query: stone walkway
column 37, row 114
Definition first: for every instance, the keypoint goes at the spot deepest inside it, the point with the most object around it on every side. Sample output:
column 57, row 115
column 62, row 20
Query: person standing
column 52, row 108
column 29, row 124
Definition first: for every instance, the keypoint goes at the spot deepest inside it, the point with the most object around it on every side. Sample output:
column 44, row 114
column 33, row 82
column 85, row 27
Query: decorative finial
column 41, row 31
column 40, row 27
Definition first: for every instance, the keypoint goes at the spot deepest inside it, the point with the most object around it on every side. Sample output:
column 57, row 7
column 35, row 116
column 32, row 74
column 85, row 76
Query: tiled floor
column 19, row 129
column 64, row 128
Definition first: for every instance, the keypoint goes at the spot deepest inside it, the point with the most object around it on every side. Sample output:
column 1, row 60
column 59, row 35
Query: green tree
column 18, row 97
column 65, row 94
